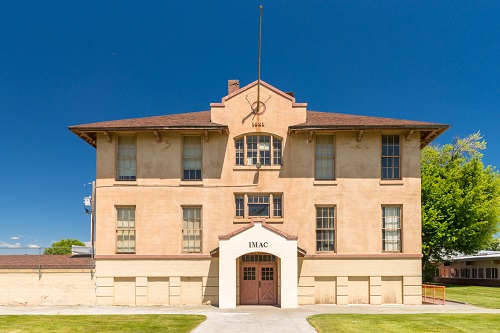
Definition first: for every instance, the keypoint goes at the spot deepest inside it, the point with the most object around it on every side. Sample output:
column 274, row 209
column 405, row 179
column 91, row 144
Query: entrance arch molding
column 257, row 237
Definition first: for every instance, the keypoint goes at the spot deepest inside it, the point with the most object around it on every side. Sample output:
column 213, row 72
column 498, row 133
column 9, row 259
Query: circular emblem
column 258, row 109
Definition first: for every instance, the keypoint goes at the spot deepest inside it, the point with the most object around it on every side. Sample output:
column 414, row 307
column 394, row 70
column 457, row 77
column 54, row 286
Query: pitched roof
column 264, row 225
column 315, row 119
column 199, row 119
column 25, row 261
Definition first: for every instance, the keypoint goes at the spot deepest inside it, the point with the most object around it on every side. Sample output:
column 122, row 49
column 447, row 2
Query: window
column 259, row 205
column 191, row 157
column 277, row 206
column 126, row 158
column 263, row 149
column 492, row 273
column 391, row 229
column 390, row 157
column 191, row 229
column 240, row 206
column 125, row 230
column 325, row 229
column 325, row 159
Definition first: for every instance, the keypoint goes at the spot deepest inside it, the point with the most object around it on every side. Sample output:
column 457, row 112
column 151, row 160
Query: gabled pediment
column 247, row 89
column 261, row 226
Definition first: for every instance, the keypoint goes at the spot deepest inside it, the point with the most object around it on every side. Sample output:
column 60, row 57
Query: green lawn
column 100, row 323
column 401, row 323
column 486, row 297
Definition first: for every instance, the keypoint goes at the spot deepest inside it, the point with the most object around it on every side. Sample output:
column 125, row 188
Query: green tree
column 62, row 247
column 494, row 245
column 460, row 200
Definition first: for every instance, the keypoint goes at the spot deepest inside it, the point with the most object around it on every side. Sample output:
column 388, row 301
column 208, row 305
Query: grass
column 402, row 323
column 486, row 297
column 100, row 323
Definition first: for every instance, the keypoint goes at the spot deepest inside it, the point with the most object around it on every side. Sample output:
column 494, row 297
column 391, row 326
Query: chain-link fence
column 37, row 260
column 30, row 277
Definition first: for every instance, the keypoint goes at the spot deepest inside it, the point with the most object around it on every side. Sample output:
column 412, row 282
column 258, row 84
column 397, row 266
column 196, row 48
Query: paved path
column 249, row 318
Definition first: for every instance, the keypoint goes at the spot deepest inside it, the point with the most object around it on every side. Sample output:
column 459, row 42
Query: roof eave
column 433, row 130
column 85, row 133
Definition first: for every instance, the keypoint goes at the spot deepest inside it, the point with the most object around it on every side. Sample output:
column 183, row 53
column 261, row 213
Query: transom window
column 325, row 158
column 391, row 228
column 325, row 229
column 127, row 165
column 259, row 205
column 258, row 258
column 390, row 157
column 263, row 149
column 125, row 230
column 191, row 157
column 191, row 229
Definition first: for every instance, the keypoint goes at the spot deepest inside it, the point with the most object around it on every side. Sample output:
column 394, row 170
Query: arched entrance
column 258, row 279
column 235, row 246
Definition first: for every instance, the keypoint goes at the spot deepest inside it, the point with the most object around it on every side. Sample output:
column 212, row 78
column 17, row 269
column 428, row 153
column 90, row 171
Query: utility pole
column 90, row 202
column 92, row 220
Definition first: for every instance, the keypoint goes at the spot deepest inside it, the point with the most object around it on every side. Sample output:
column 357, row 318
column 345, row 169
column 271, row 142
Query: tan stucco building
column 258, row 203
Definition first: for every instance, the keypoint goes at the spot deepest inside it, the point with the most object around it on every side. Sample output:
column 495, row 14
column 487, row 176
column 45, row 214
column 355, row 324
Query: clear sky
column 66, row 63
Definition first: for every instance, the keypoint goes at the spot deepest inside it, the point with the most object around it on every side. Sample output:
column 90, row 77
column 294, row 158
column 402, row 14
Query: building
column 480, row 269
column 258, row 201
column 27, row 279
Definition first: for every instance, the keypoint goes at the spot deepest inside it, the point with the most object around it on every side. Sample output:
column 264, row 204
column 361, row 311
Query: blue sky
column 65, row 63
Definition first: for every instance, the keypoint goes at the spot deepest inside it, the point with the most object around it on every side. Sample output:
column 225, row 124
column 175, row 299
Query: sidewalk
column 248, row 318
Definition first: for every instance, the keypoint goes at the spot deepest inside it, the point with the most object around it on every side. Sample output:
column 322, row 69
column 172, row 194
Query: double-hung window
column 391, row 228
column 191, row 157
column 263, row 149
column 391, row 168
column 191, row 229
column 325, row 229
column 125, row 230
column 127, row 165
column 325, row 158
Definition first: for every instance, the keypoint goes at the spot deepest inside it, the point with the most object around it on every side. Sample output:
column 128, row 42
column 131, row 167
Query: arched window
column 258, row 148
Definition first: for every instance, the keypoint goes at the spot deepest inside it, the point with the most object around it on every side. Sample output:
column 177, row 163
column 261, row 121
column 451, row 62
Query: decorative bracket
column 205, row 133
column 107, row 136
column 310, row 136
column 157, row 136
column 408, row 136
column 360, row 135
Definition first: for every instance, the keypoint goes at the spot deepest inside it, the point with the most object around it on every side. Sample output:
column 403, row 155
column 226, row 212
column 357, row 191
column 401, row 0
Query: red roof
column 26, row 261
column 332, row 120
column 181, row 120
column 264, row 224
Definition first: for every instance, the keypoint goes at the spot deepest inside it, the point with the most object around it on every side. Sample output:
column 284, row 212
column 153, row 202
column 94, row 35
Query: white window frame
column 242, row 150
column 391, row 157
column 275, row 204
column 126, row 154
column 323, row 153
column 322, row 222
column 391, row 229
column 189, row 159
column 190, row 245
column 126, row 228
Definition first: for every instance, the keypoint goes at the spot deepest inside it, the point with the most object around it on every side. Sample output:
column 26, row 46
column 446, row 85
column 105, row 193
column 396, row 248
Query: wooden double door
column 258, row 283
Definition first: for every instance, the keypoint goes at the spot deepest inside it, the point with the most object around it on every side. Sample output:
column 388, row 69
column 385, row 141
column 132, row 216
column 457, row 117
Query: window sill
column 254, row 168
column 325, row 183
column 267, row 219
column 391, row 182
column 125, row 183
column 191, row 183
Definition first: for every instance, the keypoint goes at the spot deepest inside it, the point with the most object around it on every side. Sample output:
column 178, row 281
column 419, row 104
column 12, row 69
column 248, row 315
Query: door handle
column 259, row 284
